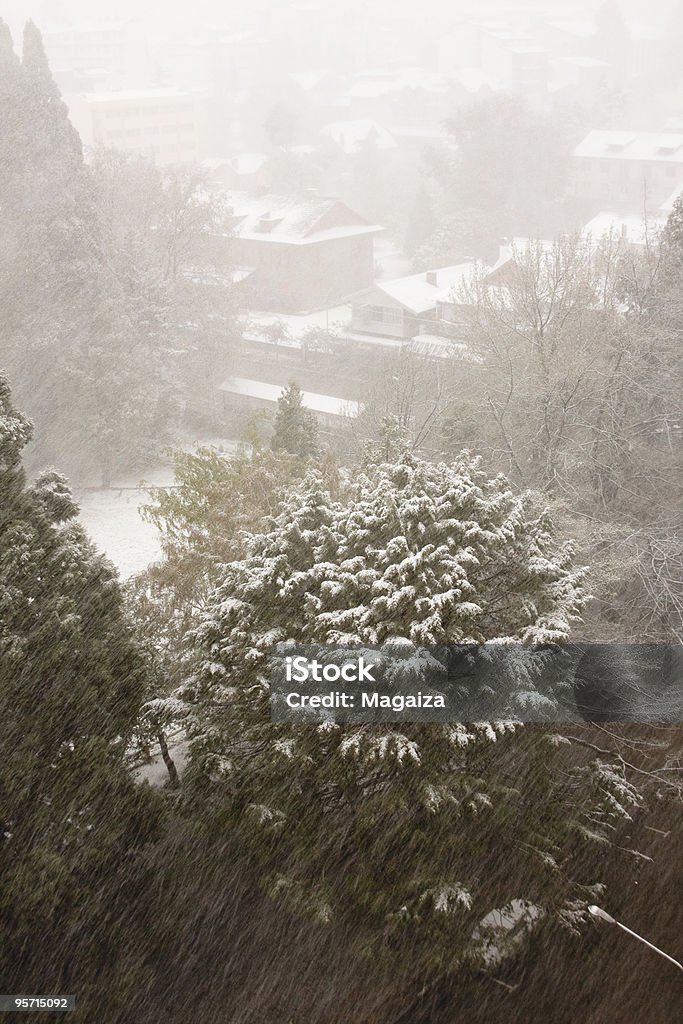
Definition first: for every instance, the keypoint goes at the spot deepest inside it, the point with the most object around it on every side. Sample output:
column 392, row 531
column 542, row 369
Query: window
column 384, row 314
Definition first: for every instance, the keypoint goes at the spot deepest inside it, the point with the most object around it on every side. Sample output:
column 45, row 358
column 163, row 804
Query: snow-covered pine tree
column 296, row 430
column 411, row 834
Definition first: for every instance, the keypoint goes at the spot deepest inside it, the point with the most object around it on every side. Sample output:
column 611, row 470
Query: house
column 408, row 306
column 632, row 230
column 245, row 172
column 633, row 170
column 306, row 254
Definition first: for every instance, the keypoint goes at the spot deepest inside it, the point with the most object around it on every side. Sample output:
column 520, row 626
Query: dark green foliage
column 296, row 430
column 408, row 835
column 71, row 679
column 204, row 522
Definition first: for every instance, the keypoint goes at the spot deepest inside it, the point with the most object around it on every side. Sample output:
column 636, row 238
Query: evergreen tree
column 296, row 430
column 203, row 521
column 409, row 835
column 71, row 679
column 81, row 332
column 54, row 137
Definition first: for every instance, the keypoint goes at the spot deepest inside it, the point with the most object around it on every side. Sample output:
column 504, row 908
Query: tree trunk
column 168, row 760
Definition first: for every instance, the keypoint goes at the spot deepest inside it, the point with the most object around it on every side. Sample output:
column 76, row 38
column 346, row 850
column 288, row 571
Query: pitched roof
column 660, row 146
column 632, row 228
column 294, row 221
column 419, row 293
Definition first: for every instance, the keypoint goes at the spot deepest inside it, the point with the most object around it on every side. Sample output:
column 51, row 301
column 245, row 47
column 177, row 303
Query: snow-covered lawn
column 112, row 515
column 113, row 522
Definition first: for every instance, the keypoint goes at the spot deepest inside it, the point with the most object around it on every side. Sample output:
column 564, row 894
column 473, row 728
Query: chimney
column 624, row 231
column 431, row 278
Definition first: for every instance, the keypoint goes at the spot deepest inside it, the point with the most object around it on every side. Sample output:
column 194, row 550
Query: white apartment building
column 633, row 171
column 163, row 123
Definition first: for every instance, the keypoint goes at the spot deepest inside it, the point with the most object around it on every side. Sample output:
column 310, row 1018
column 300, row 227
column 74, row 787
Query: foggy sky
column 161, row 15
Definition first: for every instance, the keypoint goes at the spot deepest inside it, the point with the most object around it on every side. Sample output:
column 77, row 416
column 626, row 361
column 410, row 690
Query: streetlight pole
column 604, row 916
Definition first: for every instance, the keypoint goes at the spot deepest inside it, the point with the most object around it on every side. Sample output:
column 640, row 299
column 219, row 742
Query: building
column 409, row 306
column 243, row 397
column 516, row 60
column 163, row 123
column 635, row 171
column 245, row 172
column 305, row 254
column 632, row 230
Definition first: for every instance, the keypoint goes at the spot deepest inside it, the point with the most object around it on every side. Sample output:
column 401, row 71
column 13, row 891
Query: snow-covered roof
column 613, row 145
column 419, row 293
column 297, row 324
column 326, row 404
column 435, row 346
column 632, row 228
column 352, row 136
column 293, row 221
column 518, row 247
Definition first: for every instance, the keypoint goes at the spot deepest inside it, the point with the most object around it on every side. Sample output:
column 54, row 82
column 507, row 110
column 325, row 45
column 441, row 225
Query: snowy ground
column 113, row 522
column 112, row 515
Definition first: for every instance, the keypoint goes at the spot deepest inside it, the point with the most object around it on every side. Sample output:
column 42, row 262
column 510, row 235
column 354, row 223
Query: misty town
column 349, row 330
